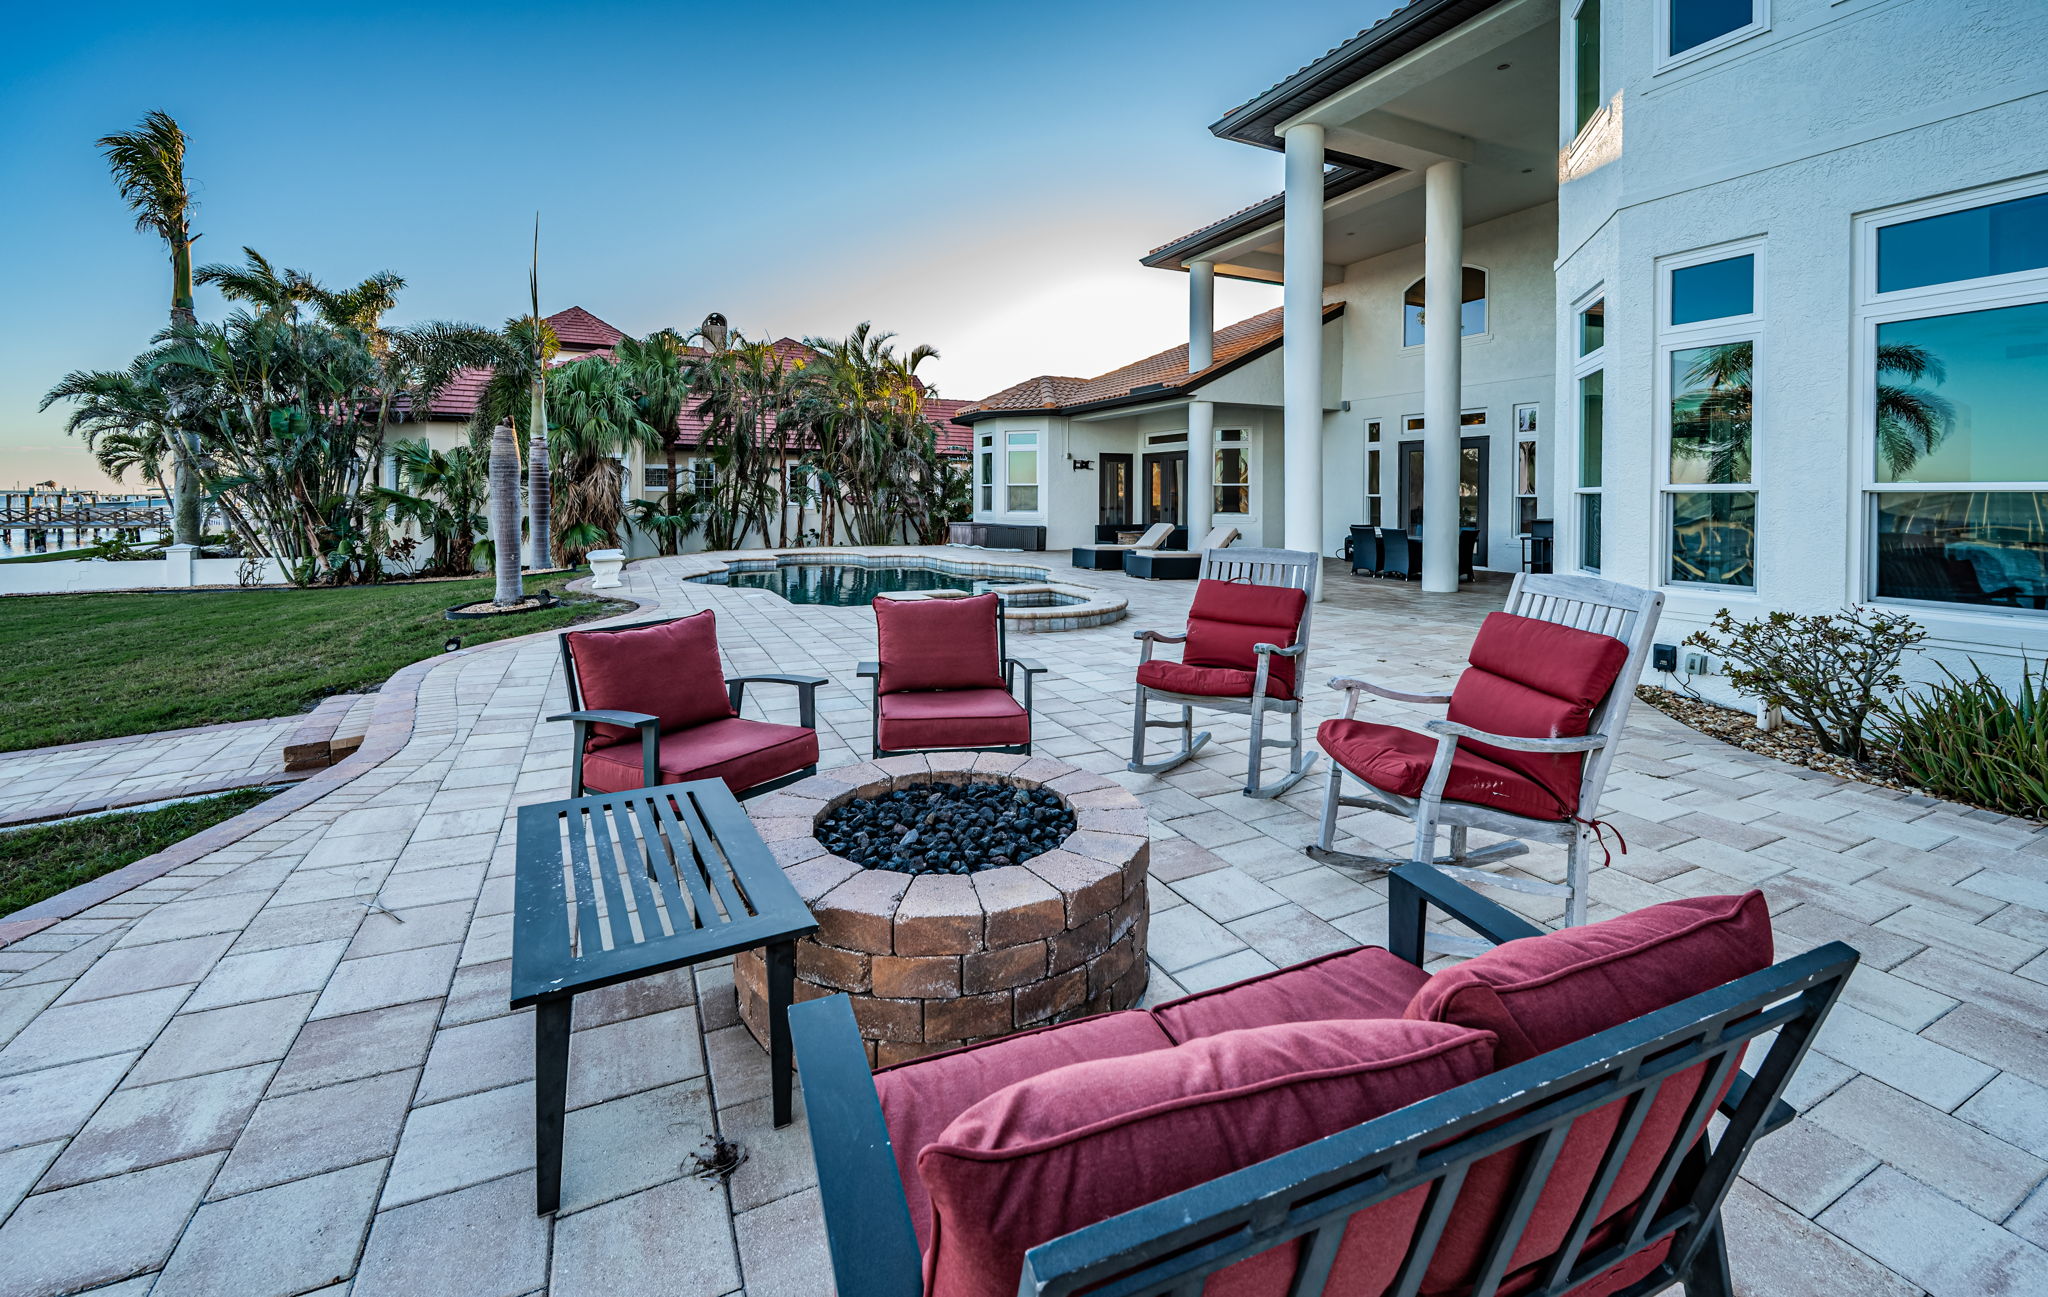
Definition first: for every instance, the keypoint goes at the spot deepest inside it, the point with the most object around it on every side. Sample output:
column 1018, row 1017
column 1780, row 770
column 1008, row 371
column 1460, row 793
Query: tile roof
column 1337, row 181
column 579, row 330
column 1163, row 374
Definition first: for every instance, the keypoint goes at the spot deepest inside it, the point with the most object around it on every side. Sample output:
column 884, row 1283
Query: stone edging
column 1088, row 606
column 390, row 728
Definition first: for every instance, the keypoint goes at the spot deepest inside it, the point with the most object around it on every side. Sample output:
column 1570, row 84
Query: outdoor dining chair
column 944, row 678
column 1524, row 749
column 651, row 704
column 1108, row 558
column 1246, row 634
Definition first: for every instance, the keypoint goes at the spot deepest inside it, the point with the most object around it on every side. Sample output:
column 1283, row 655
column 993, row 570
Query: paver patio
column 45, row 783
column 242, row 1078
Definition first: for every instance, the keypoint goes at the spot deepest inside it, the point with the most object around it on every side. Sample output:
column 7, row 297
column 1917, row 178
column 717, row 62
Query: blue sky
column 982, row 177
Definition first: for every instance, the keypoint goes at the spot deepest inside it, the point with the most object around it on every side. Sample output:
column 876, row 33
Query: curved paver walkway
column 44, row 783
column 286, row 1066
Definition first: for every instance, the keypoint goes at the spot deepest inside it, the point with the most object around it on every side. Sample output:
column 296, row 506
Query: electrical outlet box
column 1698, row 664
column 1664, row 657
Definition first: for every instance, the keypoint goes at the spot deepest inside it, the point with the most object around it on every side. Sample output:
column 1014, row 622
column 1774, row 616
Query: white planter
column 605, row 566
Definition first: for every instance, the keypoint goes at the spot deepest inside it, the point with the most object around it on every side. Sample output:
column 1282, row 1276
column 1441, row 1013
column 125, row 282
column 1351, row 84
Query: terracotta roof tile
column 579, row 330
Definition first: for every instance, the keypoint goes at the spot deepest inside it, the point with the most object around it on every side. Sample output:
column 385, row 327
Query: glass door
column 1474, row 473
column 1116, row 491
column 1166, row 479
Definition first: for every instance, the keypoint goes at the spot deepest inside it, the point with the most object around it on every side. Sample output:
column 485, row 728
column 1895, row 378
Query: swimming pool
column 847, row 585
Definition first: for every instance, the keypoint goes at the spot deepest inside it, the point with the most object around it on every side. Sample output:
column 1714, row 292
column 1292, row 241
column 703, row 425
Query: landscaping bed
column 38, row 862
column 1792, row 744
column 95, row 666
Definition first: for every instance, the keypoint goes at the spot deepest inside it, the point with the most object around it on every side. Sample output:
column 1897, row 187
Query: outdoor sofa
column 1532, row 1122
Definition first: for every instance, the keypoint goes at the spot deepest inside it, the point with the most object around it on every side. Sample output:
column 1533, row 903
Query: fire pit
column 996, row 914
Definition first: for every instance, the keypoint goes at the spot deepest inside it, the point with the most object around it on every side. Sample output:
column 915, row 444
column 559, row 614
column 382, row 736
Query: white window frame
column 1573, row 126
column 1759, row 22
column 1674, row 338
column 1582, row 367
column 1954, row 297
column 1038, row 451
column 985, row 472
column 1241, row 440
column 1376, row 440
column 1484, row 335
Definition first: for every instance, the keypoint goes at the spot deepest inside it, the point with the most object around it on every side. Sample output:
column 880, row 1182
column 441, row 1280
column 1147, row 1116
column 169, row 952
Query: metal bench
column 616, row 886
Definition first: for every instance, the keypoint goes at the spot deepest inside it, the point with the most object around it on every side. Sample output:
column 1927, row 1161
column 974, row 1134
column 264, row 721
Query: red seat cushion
column 939, row 643
column 669, row 670
column 1207, row 682
column 1367, row 982
column 952, row 718
column 1536, row 679
column 1398, row 760
column 1228, row 617
column 921, row 1098
column 1069, row 1147
column 739, row 751
column 1540, row 993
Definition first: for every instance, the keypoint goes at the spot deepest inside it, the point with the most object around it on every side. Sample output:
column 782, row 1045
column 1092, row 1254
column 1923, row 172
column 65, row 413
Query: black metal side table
column 615, row 886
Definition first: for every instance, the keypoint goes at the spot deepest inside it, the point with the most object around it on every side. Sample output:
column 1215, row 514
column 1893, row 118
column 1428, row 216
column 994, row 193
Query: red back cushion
column 939, row 643
column 670, row 670
column 1228, row 617
column 1082, row 1143
column 1537, row 680
column 1540, row 993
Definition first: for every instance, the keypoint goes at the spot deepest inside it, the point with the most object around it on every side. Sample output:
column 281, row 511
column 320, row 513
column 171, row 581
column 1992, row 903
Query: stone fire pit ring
column 935, row 961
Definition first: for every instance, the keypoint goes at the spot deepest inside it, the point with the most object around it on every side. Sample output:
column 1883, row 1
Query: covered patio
column 288, row 1066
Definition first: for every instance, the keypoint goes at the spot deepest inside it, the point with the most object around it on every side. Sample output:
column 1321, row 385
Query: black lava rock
column 947, row 828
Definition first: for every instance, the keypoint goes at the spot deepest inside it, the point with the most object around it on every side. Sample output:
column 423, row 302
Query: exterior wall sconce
column 1080, row 465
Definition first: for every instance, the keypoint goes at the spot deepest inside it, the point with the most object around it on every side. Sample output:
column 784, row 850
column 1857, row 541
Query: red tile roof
column 578, row 330
column 1163, row 374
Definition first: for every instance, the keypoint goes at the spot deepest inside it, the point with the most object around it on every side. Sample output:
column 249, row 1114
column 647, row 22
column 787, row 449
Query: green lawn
column 36, row 863
column 94, row 666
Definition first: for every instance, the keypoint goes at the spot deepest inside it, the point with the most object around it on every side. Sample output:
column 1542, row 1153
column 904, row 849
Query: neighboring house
column 1752, row 302
column 582, row 335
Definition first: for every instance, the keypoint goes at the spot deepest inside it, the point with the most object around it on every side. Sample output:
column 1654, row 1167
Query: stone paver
column 249, row 1076
column 43, row 783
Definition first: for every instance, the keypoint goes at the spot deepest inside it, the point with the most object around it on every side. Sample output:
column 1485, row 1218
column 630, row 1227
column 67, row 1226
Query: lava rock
column 947, row 828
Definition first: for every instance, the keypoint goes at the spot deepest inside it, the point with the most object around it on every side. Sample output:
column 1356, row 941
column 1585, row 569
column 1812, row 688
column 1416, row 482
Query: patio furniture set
column 1534, row 1120
column 1148, row 557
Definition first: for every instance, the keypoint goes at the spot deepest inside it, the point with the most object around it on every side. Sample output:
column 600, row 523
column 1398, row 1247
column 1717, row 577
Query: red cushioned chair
column 1535, row 1121
column 1525, row 748
column 945, row 680
column 651, row 704
column 1247, row 631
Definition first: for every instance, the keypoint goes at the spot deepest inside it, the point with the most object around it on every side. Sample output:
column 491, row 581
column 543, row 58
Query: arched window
column 1472, row 315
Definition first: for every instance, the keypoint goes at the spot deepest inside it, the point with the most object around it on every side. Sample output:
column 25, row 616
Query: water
column 848, row 586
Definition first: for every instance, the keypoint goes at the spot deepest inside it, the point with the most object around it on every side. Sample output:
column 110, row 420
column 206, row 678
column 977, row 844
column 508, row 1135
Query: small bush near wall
column 1969, row 739
column 1829, row 671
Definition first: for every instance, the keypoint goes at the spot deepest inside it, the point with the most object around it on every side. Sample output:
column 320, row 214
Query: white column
column 1201, row 315
column 1201, row 469
column 1302, row 353
column 1443, row 229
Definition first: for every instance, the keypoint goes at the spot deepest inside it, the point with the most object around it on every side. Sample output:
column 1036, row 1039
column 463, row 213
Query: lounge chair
column 1176, row 564
column 1108, row 558
column 945, row 680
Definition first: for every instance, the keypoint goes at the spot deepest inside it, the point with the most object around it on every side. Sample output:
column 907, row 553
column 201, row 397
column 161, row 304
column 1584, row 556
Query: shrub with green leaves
column 1968, row 738
column 1828, row 671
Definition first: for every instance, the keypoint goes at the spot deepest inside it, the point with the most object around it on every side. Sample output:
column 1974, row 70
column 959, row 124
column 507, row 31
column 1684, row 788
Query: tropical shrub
column 1829, row 671
column 1967, row 738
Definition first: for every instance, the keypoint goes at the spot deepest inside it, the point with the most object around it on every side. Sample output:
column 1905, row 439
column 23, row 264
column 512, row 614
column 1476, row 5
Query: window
column 1592, row 430
column 1586, row 96
column 1233, row 472
column 1708, row 360
column 656, row 477
column 1713, row 290
column 1020, row 470
column 1696, row 27
column 1954, row 379
column 1593, row 328
column 985, row 471
column 1372, row 472
column 1472, row 315
column 703, row 476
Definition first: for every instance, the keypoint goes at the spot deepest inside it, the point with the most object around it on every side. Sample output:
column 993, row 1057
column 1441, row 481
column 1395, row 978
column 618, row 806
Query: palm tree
column 125, row 418
column 657, row 380
column 539, row 497
column 443, row 494
column 505, row 515
column 862, row 408
column 596, row 426
column 148, row 164
column 1910, row 422
column 748, row 397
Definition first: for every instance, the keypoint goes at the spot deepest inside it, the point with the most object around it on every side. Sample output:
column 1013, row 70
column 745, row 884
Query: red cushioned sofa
column 651, row 704
column 1532, row 1122
column 945, row 680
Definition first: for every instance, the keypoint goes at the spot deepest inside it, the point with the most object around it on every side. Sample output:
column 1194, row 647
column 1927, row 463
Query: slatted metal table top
column 615, row 886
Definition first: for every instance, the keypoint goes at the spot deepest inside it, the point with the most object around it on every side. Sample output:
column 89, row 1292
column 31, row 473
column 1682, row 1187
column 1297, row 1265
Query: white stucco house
column 1752, row 301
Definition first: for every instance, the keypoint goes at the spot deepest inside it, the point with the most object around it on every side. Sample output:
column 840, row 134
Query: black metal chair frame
column 1168, row 1248
column 675, row 875
column 650, row 726
column 1031, row 668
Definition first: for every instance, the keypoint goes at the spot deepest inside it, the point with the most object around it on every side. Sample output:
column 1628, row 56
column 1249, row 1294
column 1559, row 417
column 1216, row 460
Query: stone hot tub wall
column 933, row 961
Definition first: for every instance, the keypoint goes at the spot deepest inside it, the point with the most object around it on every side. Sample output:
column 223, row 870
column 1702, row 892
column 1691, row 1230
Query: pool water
column 838, row 585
